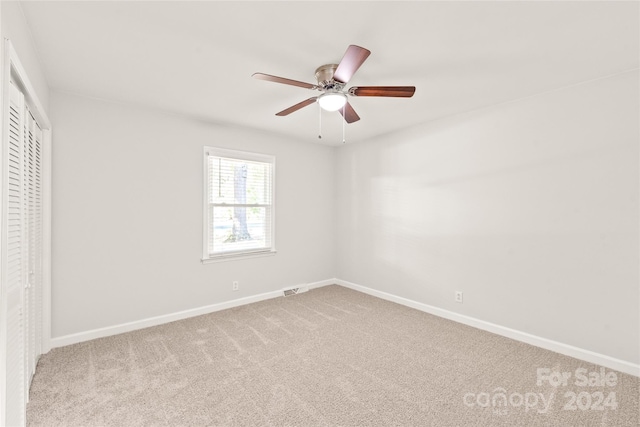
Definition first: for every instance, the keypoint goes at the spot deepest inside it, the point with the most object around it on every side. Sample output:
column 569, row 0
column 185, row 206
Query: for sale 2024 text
column 585, row 400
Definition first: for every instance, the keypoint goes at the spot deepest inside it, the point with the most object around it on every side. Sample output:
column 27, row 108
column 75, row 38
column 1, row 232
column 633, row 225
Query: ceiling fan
column 332, row 79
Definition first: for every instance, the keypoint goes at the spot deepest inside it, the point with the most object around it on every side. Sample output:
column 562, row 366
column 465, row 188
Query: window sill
column 237, row 256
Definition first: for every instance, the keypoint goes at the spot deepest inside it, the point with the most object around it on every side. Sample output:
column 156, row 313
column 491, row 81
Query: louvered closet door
column 32, row 207
column 37, row 248
column 14, row 273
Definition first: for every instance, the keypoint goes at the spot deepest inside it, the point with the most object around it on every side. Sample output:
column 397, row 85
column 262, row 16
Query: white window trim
column 208, row 258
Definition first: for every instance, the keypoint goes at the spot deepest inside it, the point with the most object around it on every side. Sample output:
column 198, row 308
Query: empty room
column 336, row 213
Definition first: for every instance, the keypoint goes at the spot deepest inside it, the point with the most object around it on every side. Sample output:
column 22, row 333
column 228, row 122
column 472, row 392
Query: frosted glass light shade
column 332, row 101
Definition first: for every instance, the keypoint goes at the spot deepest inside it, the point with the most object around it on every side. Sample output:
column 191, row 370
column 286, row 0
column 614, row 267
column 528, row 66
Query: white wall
column 127, row 215
column 530, row 208
column 14, row 27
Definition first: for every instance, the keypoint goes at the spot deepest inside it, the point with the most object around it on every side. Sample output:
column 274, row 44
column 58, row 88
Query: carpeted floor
column 328, row 357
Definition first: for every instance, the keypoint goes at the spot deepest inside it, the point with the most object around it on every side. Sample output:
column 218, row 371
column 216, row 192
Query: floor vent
column 293, row 291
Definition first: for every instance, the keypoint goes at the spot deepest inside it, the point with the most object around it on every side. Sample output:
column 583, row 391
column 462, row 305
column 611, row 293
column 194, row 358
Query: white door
column 22, row 233
column 32, row 207
column 13, row 266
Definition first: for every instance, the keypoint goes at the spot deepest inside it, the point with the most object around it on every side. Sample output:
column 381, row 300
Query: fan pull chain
column 344, row 119
column 319, row 122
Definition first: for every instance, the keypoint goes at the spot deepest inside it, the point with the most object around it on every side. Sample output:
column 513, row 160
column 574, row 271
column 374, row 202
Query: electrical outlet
column 459, row 297
column 235, row 286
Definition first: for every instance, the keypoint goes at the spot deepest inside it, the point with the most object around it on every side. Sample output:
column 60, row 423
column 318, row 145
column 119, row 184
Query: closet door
column 33, row 243
column 23, row 230
column 36, row 277
column 13, row 266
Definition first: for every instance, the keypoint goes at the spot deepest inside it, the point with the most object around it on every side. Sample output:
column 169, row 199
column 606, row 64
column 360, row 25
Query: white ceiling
column 197, row 58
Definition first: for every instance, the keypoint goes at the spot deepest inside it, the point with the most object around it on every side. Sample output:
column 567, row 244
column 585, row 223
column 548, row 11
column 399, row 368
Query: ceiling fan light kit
column 332, row 79
column 332, row 101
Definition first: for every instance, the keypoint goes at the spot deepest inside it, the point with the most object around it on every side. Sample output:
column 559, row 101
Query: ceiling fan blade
column 393, row 91
column 276, row 79
column 349, row 113
column 350, row 62
column 298, row 106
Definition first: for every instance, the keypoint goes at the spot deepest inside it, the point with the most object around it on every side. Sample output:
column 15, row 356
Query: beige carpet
column 327, row 357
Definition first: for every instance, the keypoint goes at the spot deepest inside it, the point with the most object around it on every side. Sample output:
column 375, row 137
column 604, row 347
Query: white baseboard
column 547, row 344
column 172, row 317
column 321, row 283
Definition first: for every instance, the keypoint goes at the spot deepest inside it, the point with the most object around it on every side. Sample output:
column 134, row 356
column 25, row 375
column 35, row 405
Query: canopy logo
column 500, row 402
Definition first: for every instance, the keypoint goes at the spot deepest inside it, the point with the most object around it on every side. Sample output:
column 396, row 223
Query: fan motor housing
column 324, row 76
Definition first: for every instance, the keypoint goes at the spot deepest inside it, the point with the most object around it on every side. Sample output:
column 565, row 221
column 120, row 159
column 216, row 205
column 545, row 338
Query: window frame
column 208, row 257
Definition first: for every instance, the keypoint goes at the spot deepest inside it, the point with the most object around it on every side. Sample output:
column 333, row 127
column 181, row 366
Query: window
column 238, row 204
